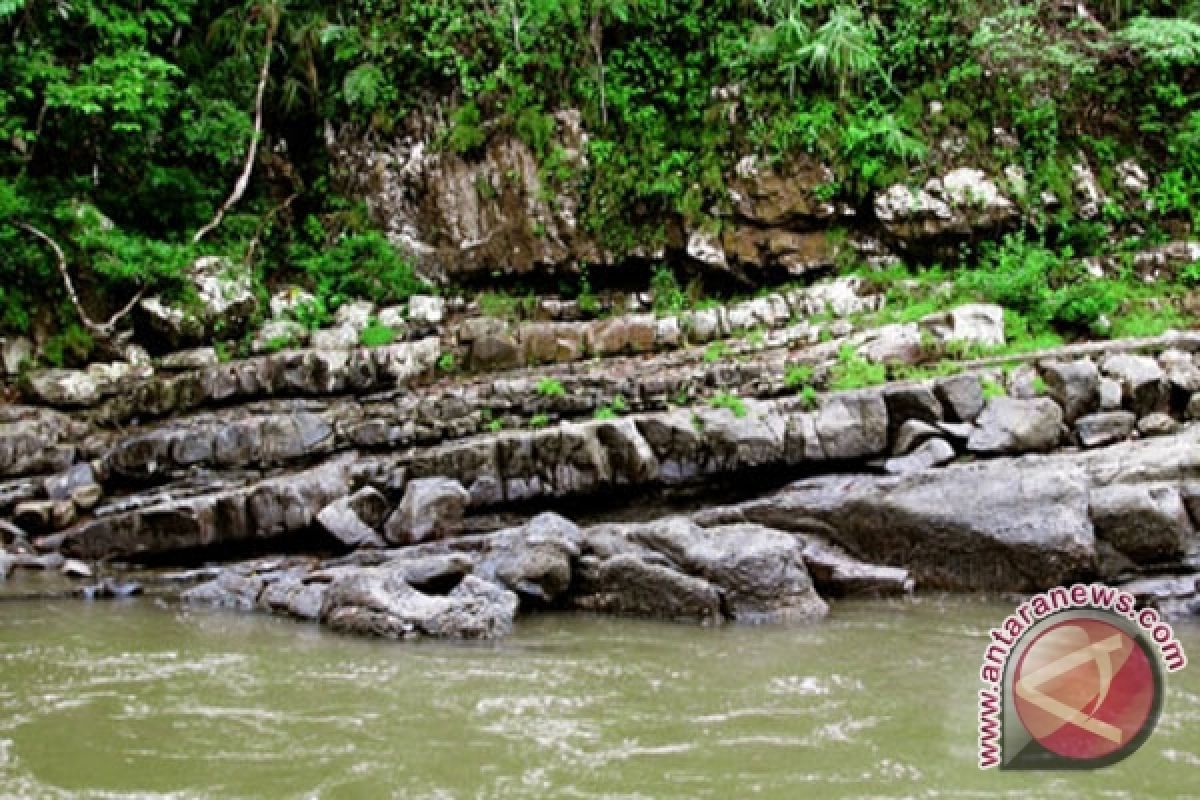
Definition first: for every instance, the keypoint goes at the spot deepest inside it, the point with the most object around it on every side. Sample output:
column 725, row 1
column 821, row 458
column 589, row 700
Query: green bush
column 729, row 401
column 376, row 334
column 360, row 265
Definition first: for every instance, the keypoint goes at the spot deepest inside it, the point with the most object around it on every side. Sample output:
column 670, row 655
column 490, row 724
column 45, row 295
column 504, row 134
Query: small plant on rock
column 551, row 387
column 730, row 401
column 376, row 334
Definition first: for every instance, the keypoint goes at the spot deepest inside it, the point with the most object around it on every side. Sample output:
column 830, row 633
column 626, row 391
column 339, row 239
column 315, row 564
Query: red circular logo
column 1084, row 689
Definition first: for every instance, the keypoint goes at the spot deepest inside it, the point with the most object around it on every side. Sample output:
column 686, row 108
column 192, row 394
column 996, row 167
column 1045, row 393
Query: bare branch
column 103, row 331
column 243, row 180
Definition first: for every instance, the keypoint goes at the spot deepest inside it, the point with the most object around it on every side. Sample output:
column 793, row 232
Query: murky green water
column 140, row 700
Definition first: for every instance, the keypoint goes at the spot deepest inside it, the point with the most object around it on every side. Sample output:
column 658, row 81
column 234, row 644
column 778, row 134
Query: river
column 140, row 699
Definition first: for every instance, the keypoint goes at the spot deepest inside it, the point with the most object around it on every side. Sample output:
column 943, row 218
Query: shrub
column 797, row 375
column 360, row 265
column 551, row 387
column 729, row 401
column 852, row 371
column 376, row 334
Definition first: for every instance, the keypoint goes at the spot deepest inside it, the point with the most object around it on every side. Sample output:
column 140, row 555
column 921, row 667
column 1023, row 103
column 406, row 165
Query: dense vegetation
column 125, row 125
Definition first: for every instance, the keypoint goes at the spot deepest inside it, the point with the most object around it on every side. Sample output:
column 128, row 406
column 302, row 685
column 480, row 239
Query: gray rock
column 231, row 590
column 1110, row 394
column 61, row 486
column 933, row 453
column 1105, row 427
column 626, row 584
column 491, row 345
column 534, row 560
column 1143, row 382
column 1023, row 382
column 1157, row 424
column 1146, row 522
column 1173, row 596
column 342, row 337
column 836, row 573
column 912, row 434
column 961, row 397
column 1001, row 525
column 1181, row 371
column 906, row 403
column 355, row 520
column 279, row 334
column 64, row 388
column 1012, row 425
column 432, row 507
column 224, row 301
column 978, row 324
column 426, row 311
column 15, row 351
column 380, row 602
column 74, row 568
column 853, row 425
column 1074, row 385
column 1193, row 406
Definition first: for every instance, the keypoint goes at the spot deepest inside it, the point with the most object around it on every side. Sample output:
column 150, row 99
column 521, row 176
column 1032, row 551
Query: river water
column 140, row 699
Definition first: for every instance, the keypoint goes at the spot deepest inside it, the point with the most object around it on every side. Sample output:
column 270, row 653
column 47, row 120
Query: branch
column 262, row 224
column 104, row 331
column 243, row 180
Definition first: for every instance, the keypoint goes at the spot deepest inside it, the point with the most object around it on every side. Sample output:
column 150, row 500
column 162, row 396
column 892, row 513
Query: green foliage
column 808, row 397
column 852, row 371
column 613, row 409
column 1164, row 42
column 993, row 389
column 729, row 401
column 376, row 334
column 447, row 362
column 539, row 421
column 797, row 376
column 362, row 265
column 715, row 351
column 551, row 387
column 669, row 296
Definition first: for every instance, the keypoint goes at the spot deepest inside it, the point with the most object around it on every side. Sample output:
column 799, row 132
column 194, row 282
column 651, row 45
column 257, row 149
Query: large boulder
column 853, row 425
column 959, row 203
column 380, row 601
column 224, row 301
column 997, row 525
column 1143, row 381
column 977, row 324
column 770, row 195
column 1015, row 425
column 355, row 520
column 432, row 507
column 1147, row 522
column 1074, row 385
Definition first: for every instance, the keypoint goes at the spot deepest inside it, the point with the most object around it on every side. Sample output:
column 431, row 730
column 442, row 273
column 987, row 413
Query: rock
column 1133, row 177
column 47, row 562
column 796, row 253
column 63, row 388
column 282, row 505
column 534, row 560
column 1193, row 407
column 1143, row 382
column 552, row 342
column 1157, row 424
column 961, row 396
column 1104, row 428
column 355, row 520
column 618, row 335
column 835, row 573
column 705, row 247
column 231, row 590
column 1146, row 522
column 356, row 314
column 853, row 425
column 1087, row 190
column 1074, row 385
column 1173, row 596
column 996, row 525
column 1181, row 371
column 35, row 515
column 10, row 534
column 626, row 584
column 343, row 337
column 15, row 352
column 279, row 334
column 426, row 311
column 7, row 563
column 380, row 602
column 87, row 497
column 288, row 300
column 1012, row 425
column 770, row 196
column 932, row 453
column 1110, row 394
column 61, row 486
column 432, row 203
column 224, row 302
column 916, row 402
column 431, row 508
column 194, row 358
column 74, row 568
column 978, row 324
column 491, row 345
column 912, row 434
column 964, row 200
column 890, row 344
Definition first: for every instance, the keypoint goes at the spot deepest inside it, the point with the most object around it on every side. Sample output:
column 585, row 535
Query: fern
column 1164, row 42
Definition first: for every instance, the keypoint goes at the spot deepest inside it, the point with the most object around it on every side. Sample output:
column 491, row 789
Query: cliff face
column 495, row 212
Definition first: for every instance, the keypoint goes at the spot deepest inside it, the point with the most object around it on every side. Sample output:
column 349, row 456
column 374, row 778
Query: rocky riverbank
column 480, row 467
